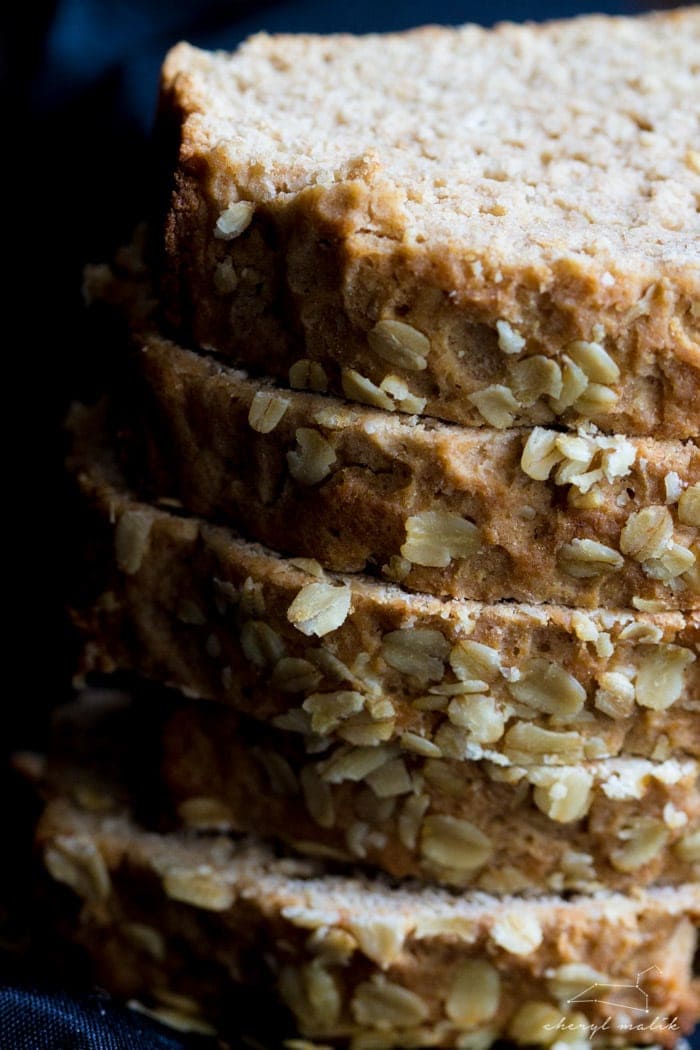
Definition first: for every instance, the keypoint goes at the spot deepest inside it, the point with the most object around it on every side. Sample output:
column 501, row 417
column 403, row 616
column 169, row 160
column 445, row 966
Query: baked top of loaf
column 503, row 221
column 523, row 143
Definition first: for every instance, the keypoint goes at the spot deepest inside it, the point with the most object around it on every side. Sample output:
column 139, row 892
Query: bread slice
column 195, row 606
column 531, row 515
column 616, row 823
column 414, row 206
column 182, row 920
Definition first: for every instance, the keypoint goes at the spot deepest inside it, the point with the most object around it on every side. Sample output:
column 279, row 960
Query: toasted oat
column 131, row 538
column 353, row 763
column 318, row 797
column 647, row 533
column 474, row 994
column 200, row 887
column 281, row 777
column 547, row 687
column 526, row 744
column 261, row 644
column 518, row 932
column 497, row 405
column 410, row 819
column 574, row 383
column 479, row 715
column 78, row 863
column 510, row 340
column 475, row 661
column 435, row 537
column 234, row 220
column 266, row 410
column 417, row 652
column 381, row 940
column 563, row 794
column 676, row 561
column 615, row 697
column 306, row 374
column 569, row 979
column 312, row 459
column 453, row 843
column 398, row 391
column 688, row 849
column 533, row 378
column 689, row 506
column 328, row 710
column 293, row 674
column 541, row 452
column 659, row 680
column 585, row 559
column 320, row 608
column 641, row 843
column 311, row 994
column 146, row 938
column 380, row 1003
column 596, row 398
column 202, row 812
column 419, row 745
column 400, row 344
column 357, row 387
column 535, row 1024
column 390, row 780
column 594, row 361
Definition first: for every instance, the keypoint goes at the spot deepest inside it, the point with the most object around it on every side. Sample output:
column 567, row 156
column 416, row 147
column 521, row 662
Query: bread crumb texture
column 414, row 203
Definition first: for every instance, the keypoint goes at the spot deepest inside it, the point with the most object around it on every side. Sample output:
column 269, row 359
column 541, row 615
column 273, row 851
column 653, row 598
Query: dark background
column 80, row 81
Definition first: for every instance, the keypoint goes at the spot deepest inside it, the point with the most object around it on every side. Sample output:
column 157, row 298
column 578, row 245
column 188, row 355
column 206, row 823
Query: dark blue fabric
column 37, row 1020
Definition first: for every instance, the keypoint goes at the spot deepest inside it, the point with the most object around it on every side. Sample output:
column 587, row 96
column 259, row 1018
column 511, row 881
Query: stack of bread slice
column 401, row 498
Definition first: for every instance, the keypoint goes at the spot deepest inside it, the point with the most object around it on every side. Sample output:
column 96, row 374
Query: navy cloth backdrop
column 82, row 77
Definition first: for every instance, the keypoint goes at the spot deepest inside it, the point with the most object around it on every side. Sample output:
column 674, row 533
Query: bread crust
column 608, row 832
column 167, row 916
column 328, row 255
column 349, row 486
column 193, row 606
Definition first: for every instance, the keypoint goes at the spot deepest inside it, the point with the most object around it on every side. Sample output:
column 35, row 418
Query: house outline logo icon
column 631, row 997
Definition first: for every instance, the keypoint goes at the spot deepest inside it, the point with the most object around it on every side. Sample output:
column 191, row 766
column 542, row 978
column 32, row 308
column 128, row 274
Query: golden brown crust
column 359, row 961
column 191, row 605
column 341, row 242
column 615, row 824
column 330, row 306
column 351, row 487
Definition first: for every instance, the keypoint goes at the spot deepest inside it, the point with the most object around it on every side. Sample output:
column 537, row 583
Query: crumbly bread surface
column 617, row 823
column 194, row 606
column 531, row 515
column 424, row 183
column 181, row 919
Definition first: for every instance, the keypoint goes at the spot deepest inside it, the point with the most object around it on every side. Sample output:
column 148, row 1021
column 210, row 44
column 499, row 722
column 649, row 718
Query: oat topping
column 400, row 344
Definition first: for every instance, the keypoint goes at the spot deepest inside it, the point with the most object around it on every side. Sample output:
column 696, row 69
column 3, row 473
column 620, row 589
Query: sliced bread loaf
column 585, row 520
column 180, row 921
column 412, row 208
column 195, row 606
column 616, row 823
